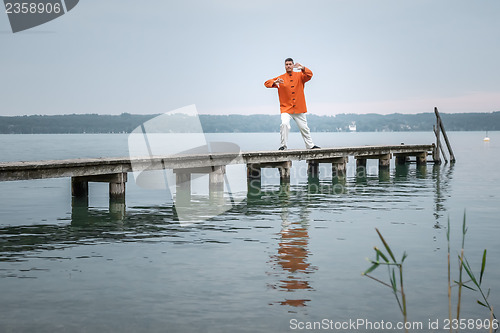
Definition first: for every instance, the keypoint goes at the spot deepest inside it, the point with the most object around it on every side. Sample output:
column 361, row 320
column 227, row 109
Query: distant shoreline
column 126, row 123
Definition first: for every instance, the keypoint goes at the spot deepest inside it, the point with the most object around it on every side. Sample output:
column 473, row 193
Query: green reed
column 392, row 264
column 388, row 259
column 464, row 264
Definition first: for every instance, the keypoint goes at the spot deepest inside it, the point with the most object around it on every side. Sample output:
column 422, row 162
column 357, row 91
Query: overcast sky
column 144, row 57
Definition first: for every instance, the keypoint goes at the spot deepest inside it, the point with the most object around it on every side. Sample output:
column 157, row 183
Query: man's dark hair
column 288, row 59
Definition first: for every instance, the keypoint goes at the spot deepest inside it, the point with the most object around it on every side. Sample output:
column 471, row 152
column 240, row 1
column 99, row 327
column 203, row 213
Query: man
column 292, row 101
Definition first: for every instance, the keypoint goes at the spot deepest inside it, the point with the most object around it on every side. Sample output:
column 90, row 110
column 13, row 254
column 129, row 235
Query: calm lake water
column 287, row 255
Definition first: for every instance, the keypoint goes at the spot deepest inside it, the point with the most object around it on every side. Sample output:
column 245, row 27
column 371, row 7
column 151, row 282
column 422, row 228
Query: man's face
column 289, row 66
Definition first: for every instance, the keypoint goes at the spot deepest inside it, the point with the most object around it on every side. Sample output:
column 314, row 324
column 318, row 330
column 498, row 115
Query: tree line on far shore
column 126, row 123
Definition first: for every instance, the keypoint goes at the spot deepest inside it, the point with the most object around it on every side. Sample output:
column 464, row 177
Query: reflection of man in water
column 292, row 101
column 293, row 254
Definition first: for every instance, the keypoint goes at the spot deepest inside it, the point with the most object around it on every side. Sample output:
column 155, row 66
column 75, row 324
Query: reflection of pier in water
column 441, row 176
column 87, row 224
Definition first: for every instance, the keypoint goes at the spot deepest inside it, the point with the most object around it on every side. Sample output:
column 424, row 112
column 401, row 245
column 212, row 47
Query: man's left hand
column 298, row 66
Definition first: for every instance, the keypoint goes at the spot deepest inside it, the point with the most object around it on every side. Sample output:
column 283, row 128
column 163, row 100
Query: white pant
column 301, row 121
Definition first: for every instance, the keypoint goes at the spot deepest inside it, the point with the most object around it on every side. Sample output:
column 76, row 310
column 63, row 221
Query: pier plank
column 11, row 171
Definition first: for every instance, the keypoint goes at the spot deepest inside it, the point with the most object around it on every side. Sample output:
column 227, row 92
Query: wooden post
column 401, row 159
column 339, row 167
column 253, row 172
column 117, row 187
column 440, row 123
column 183, row 187
column 216, row 179
column 284, row 170
column 384, row 161
column 442, row 152
column 360, row 162
column 438, row 147
column 116, row 181
column 360, row 167
column 79, row 187
column 422, row 158
column 312, row 168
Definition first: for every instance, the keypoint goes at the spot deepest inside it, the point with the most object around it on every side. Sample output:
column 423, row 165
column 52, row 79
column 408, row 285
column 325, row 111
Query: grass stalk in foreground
column 465, row 265
column 450, row 315
column 460, row 282
column 389, row 260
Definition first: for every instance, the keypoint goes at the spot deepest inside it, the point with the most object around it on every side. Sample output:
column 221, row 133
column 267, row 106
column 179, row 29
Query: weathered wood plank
column 100, row 166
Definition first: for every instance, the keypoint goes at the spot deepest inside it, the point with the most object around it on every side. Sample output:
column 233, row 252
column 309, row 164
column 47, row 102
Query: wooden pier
column 114, row 170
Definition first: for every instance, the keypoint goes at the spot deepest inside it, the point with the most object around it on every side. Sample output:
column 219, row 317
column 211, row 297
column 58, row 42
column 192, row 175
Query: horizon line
column 247, row 115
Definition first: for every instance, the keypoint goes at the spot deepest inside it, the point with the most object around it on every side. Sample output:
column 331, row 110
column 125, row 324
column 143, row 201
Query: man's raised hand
column 298, row 66
column 278, row 81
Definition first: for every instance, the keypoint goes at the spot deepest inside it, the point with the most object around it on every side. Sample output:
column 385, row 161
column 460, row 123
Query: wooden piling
column 339, row 167
column 360, row 167
column 384, row 162
column 284, row 170
column 313, row 168
column 360, row 162
column 441, row 126
column 402, row 159
column 79, row 187
column 422, row 159
column 182, row 187
column 437, row 149
column 253, row 172
column 216, row 179
column 117, row 187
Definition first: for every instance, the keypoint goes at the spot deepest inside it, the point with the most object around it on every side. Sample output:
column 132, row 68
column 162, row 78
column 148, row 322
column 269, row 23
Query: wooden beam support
column 360, row 167
column 339, row 167
column 216, row 179
column 313, row 168
column 441, row 126
column 422, row 158
column 402, row 159
column 79, row 187
column 253, row 172
column 117, row 187
column 284, row 170
column 360, row 162
column 182, row 188
column 254, row 169
column 384, row 161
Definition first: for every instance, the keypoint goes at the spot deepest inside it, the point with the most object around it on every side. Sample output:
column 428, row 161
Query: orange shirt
column 291, row 91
